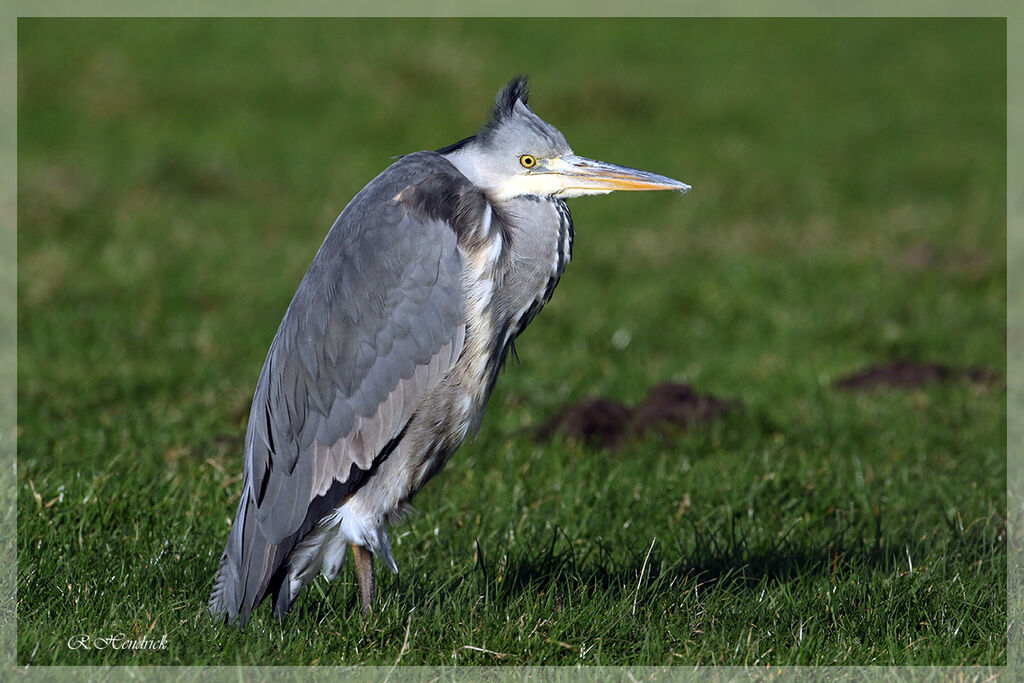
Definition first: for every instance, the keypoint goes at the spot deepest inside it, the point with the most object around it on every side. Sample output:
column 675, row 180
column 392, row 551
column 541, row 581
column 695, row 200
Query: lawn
column 176, row 177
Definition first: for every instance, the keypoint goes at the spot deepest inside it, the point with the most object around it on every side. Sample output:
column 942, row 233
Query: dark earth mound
column 909, row 375
column 678, row 405
column 606, row 423
column 597, row 422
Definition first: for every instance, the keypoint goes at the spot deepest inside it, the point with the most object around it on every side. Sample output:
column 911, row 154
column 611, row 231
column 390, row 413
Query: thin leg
column 365, row 571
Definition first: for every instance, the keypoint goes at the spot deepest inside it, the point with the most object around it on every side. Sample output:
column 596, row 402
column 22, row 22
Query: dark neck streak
column 509, row 326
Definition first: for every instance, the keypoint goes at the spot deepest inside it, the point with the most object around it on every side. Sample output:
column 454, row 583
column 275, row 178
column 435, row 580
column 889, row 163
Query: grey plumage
column 391, row 345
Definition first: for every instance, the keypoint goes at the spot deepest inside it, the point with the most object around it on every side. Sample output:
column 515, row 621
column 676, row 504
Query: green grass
column 176, row 178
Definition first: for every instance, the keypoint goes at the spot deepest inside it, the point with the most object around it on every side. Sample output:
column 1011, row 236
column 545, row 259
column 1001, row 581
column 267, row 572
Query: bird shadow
column 703, row 558
column 698, row 558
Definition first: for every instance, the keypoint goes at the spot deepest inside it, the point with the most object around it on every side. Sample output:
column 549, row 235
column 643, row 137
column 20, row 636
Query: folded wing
column 377, row 322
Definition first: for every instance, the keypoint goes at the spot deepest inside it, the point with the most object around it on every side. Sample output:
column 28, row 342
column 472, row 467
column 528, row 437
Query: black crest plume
column 505, row 102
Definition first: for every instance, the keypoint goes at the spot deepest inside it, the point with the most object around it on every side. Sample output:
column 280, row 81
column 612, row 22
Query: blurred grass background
column 177, row 176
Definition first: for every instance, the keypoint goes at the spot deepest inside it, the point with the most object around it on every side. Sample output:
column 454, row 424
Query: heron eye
column 527, row 161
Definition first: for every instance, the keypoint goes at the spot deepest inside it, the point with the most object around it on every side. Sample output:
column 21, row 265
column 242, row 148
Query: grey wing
column 377, row 322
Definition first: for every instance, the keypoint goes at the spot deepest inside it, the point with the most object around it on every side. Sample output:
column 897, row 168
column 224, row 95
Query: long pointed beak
column 589, row 176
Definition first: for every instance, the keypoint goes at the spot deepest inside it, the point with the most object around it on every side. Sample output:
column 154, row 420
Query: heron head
column 517, row 153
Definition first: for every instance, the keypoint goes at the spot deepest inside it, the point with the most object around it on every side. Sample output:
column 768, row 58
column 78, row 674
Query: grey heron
column 391, row 346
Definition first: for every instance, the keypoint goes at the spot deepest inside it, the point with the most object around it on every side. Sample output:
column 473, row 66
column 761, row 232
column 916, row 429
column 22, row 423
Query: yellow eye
column 527, row 161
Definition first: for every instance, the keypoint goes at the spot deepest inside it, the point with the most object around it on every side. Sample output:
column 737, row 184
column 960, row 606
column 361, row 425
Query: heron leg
column 365, row 571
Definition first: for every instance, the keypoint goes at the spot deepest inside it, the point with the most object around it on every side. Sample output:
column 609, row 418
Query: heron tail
column 246, row 570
